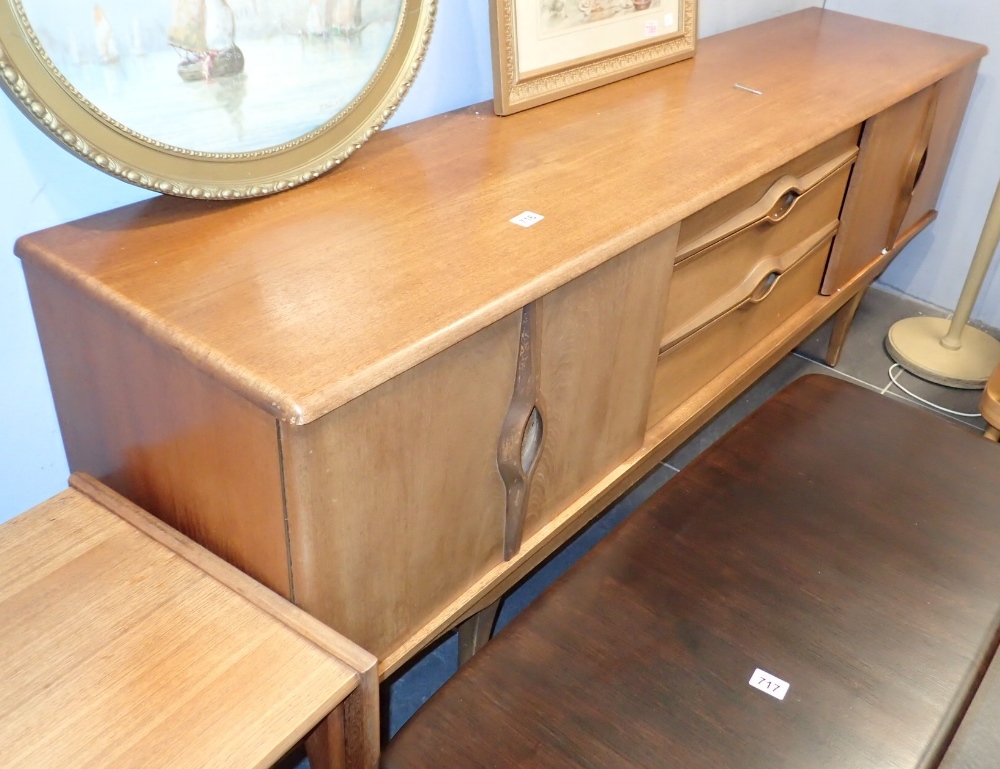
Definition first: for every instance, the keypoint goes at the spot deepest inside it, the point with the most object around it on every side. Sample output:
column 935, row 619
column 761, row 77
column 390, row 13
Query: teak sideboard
column 386, row 401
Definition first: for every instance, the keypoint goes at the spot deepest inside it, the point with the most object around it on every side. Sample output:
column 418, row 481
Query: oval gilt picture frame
column 214, row 99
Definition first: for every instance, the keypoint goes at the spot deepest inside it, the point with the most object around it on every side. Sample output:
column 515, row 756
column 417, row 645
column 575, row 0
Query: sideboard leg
column 842, row 324
column 475, row 632
column 325, row 747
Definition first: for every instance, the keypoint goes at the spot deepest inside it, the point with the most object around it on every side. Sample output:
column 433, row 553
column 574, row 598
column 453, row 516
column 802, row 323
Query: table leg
column 326, row 747
column 842, row 324
column 992, row 433
column 475, row 632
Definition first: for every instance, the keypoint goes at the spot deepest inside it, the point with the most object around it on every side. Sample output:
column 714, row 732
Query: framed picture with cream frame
column 544, row 50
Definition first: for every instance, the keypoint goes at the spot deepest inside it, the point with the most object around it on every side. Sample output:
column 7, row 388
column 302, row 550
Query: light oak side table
column 123, row 643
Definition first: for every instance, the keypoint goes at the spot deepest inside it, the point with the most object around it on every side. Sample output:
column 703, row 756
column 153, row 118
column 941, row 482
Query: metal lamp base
column 915, row 344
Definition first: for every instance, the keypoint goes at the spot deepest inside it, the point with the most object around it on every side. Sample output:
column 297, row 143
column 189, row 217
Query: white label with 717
column 769, row 684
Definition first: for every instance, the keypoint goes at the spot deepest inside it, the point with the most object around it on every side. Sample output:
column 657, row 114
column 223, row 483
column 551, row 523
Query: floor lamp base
column 915, row 344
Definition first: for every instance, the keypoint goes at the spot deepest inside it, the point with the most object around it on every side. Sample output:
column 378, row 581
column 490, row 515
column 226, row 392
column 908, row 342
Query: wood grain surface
column 693, row 362
column 716, row 279
column 840, row 541
column 954, row 93
column 989, row 404
column 599, row 340
column 138, row 417
column 359, row 710
column 756, row 200
column 879, row 196
column 977, row 743
column 118, row 651
column 360, row 275
column 395, row 503
column 661, row 438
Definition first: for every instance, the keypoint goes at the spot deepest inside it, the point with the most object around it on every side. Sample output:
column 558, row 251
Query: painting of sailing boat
column 217, row 76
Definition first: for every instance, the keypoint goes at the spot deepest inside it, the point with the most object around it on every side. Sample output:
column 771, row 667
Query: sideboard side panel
column 395, row 500
column 600, row 336
column 141, row 419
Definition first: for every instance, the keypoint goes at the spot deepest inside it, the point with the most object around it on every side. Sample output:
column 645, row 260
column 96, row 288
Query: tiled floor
column 864, row 361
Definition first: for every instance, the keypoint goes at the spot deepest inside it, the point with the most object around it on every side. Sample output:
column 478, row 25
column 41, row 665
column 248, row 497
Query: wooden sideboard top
column 306, row 300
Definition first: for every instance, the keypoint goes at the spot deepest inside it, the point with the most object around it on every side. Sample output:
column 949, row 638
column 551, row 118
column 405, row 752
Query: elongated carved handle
column 774, row 205
column 522, row 433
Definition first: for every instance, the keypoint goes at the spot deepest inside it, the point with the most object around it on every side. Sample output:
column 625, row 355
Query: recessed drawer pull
column 785, row 204
column 765, row 287
column 920, row 168
column 531, row 441
column 774, row 205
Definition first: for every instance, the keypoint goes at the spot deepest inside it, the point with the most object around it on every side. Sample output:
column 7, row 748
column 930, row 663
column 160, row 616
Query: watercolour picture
column 217, row 76
column 560, row 15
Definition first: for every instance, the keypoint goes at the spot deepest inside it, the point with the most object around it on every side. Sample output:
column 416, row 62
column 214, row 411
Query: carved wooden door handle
column 523, row 432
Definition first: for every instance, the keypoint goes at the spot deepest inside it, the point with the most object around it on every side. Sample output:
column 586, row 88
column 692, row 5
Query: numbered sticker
column 668, row 20
column 527, row 219
column 769, row 684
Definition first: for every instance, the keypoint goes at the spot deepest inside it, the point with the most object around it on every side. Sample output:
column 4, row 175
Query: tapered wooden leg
column 475, row 632
column 326, row 746
column 841, row 325
column 992, row 433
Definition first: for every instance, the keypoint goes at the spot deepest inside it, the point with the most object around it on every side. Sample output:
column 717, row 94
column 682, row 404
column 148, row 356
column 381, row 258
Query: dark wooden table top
column 838, row 540
column 977, row 743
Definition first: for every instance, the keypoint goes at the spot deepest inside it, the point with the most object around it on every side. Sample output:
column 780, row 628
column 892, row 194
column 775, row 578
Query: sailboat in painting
column 204, row 31
column 104, row 37
column 340, row 18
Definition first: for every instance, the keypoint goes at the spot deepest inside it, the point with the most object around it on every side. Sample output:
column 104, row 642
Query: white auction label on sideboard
column 527, row 219
column 769, row 684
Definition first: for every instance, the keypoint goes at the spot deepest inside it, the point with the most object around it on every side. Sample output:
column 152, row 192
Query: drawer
column 712, row 281
column 687, row 366
column 770, row 196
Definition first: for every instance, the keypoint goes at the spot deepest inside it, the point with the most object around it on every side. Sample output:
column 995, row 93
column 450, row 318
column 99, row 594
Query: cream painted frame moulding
column 277, row 157
column 544, row 50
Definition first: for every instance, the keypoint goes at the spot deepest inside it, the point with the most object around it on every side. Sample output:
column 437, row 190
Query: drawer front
column 693, row 362
column 767, row 196
column 711, row 282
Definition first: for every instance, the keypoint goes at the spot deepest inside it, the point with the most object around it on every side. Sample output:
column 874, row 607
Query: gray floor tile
column 965, row 402
column 864, row 356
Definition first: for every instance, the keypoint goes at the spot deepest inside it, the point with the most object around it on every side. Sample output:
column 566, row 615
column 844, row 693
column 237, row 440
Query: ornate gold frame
column 29, row 78
column 514, row 91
